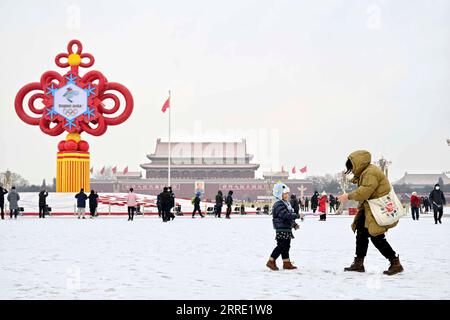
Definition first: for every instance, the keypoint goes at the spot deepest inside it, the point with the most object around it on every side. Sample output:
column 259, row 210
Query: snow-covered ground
column 111, row 258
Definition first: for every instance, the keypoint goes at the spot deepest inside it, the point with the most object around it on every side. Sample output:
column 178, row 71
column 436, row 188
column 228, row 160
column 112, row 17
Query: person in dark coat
column 332, row 202
column 3, row 191
column 426, row 204
column 437, row 199
column 229, row 203
column 283, row 219
column 13, row 198
column 294, row 203
column 315, row 201
column 171, row 204
column 93, row 203
column 81, row 203
column 43, row 203
column 306, row 204
column 197, row 206
column 158, row 204
column 219, row 204
column 165, row 204
column 98, row 200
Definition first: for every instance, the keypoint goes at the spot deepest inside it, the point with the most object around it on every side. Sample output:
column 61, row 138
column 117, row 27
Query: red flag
column 125, row 171
column 92, row 169
column 303, row 170
column 114, row 170
column 166, row 105
column 294, row 170
column 102, row 171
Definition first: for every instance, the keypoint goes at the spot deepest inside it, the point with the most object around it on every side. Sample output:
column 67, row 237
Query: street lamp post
column 384, row 164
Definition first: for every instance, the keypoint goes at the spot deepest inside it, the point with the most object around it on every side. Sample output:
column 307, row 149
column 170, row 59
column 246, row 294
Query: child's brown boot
column 271, row 264
column 288, row 265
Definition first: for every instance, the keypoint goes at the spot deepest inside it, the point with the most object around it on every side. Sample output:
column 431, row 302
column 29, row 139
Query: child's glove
column 296, row 226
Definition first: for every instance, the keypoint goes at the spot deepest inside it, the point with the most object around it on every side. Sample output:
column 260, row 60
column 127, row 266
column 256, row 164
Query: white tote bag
column 387, row 209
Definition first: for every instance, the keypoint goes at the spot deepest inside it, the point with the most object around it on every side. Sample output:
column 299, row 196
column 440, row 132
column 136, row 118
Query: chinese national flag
column 125, row 171
column 166, row 105
column 294, row 170
column 303, row 170
column 102, row 171
column 114, row 170
column 92, row 169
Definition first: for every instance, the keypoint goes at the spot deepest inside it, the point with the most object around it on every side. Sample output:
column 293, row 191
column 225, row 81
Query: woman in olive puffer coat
column 372, row 184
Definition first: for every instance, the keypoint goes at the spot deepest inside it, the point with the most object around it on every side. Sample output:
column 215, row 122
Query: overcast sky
column 306, row 82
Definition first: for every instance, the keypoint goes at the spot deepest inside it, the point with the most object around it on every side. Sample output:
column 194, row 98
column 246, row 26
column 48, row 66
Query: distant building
column 422, row 180
column 215, row 165
column 201, row 160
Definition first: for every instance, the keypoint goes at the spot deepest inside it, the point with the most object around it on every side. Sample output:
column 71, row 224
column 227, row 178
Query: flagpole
column 170, row 108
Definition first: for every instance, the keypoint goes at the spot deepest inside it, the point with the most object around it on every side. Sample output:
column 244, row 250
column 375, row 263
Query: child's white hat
column 279, row 189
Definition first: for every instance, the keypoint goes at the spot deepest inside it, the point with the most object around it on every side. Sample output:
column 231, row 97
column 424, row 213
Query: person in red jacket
column 323, row 206
column 415, row 205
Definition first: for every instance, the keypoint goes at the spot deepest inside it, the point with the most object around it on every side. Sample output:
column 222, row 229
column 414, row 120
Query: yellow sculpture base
column 73, row 172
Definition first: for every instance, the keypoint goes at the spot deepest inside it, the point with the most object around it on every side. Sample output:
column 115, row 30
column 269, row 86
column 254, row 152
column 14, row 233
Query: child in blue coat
column 283, row 218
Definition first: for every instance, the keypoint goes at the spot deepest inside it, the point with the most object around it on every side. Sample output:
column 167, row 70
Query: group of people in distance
column 435, row 200
column 81, row 203
column 165, row 201
column 13, row 198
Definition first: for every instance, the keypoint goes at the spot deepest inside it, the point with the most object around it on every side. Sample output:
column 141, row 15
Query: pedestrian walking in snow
column 323, row 206
column 437, row 199
column 81, row 203
column 43, row 203
column 97, row 201
column 196, row 203
column 315, row 201
column 306, row 204
column 426, row 204
column 3, row 191
column 165, row 199
column 372, row 184
column 131, row 203
column 93, row 203
column 283, row 219
column 229, row 203
column 171, row 204
column 415, row 204
column 332, row 202
column 295, row 204
column 219, row 204
column 13, row 198
column 158, row 204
